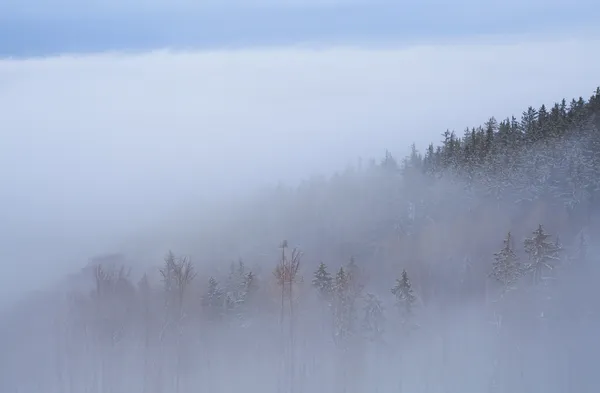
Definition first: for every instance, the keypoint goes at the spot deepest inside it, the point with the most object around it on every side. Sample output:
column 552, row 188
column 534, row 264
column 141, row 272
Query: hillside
column 470, row 267
column 455, row 201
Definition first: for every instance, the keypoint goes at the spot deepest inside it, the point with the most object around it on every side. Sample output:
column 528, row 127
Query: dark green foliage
column 504, row 157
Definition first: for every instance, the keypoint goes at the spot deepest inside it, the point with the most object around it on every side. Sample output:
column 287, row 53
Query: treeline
column 187, row 333
column 495, row 147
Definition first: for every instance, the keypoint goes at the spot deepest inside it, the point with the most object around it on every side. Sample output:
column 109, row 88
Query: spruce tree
column 506, row 267
column 323, row 282
column 355, row 279
column 543, row 254
column 250, row 284
column 236, row 282
column 213, row 299
column 405, row 297
column 374, row 318
column 342, row 307
column 352, row 270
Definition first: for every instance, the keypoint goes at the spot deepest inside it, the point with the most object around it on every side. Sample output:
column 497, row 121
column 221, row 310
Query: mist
column 219, row 156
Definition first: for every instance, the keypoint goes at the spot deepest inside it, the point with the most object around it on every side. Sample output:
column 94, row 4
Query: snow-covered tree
column 177, row 275
column 405, row 297
column 543, row 254
column 343, row 307
column 235, row 286
column 250, row 286
column 374, row 318
column 581, row 249
column 506, row 267
column 323, row 282
column 213, row 300
column 355, row 278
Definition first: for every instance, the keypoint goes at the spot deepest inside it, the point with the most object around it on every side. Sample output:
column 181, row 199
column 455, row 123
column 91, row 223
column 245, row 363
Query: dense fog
column 95, row 149
column 468, row 266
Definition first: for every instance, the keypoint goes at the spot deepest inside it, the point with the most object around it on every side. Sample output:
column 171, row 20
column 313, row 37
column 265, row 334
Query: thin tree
column 113, row 295
column 341, row 317
column 581, row 250
column 374, row 318
column 405, row 297
column 213, row 300
column 286, row 274
column 144, row 290
column 177, row 274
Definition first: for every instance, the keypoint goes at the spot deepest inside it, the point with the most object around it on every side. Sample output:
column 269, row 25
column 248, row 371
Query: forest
column 469, row 266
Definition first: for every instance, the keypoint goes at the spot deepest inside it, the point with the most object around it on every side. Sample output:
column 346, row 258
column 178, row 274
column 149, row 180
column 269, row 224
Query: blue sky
column 42, row 27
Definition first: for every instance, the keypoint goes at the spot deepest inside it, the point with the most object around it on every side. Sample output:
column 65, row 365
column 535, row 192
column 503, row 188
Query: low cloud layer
column 95, row 147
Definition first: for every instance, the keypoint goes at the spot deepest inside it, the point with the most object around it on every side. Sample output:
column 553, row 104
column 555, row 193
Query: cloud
column 96, row 146
column 41, row 28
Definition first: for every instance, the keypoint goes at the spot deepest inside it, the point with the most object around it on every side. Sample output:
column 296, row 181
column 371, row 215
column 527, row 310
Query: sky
column 114, row 114
column 41, row 27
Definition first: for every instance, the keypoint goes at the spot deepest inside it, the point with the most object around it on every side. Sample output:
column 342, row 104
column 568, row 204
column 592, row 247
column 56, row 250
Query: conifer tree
column 543, row 254
column 355, row 277
column 243, row 296
column 374, row 318
column 250, row 285
column 405, row 297
column 342, row 307
column 214, row 299
column 323, row 282
column 236, row 282
column 506, row 267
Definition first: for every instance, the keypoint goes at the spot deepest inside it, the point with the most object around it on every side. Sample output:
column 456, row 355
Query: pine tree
column 558, row 246
column 352, row 270
column 543, row 254
column 214, row 299
column 250, row 285
column 374, row 318
column 243, row 298
column 341, row 282
column 355, row 279
column 323, row 282
column 236, row 282
column 506, row 267
column 405, row 297
column 247, row 287
column 342, row 308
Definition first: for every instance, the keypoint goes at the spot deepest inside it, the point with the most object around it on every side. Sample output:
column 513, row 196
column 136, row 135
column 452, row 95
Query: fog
column 221, row 155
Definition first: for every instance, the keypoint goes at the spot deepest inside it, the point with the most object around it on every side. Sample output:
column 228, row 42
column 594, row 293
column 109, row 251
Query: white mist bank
column 98, row 147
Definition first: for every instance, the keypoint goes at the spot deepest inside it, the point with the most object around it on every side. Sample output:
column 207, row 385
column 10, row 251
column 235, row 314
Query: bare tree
column 286, row 274
column 112, row 297
column 177, row 275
